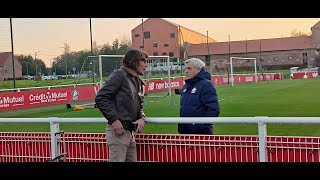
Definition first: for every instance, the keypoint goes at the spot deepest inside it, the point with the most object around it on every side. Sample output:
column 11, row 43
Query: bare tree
column 296, row 33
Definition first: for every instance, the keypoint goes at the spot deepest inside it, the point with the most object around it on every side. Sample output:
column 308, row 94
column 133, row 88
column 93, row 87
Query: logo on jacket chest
column 193, row 90
column 141, row 91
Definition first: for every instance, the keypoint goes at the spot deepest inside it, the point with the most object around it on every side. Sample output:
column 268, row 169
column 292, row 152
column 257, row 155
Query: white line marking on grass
column 224, row 99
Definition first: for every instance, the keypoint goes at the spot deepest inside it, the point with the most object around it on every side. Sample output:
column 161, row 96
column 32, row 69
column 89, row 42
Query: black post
column 145, row 74
column 229, row 60
column 65, row 59
column 180, row 56
column 12, row 56
column 246, row 47
column 185, row 49
column 91, row 51
column 208, row 51
column 228, row 71
column 27, row 68
column 142, row 35
column 261, row 62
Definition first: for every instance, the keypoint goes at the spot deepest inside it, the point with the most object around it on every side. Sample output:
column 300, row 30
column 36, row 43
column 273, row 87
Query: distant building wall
column 6, row 72
column 160, row 38
column 269, row 60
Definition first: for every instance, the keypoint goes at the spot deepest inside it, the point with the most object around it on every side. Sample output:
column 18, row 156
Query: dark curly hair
column 132, row 57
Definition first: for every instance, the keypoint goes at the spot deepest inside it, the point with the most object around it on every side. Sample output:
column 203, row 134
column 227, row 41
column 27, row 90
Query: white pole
column 100, row 71
column 54, row 128
column 262, row 130
column 231, row 71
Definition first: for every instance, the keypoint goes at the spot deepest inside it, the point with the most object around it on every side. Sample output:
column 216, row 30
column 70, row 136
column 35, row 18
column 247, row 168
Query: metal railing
column 262, row 122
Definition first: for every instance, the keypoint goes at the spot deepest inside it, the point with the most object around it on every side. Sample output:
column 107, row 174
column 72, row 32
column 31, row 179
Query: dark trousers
column 195, row 129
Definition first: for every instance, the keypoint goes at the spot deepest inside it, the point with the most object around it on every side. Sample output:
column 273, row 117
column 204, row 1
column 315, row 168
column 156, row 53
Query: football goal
column 159, row 67
column 243, row 66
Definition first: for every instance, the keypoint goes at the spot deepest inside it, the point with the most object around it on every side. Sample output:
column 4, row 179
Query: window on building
column 141, row 47
column 146, row 35
column 155, row 53
column 155, row 44
column 166, row 45
column 172, row 35
column 171, row 54
column 290, row 57
column 137, row 35
column 305, row 58
column 164, row 54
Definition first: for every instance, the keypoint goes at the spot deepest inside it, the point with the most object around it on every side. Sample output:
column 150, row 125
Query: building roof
column 177, row 25
column 317, row 24
column 275, row 44
column 188, row 29
column 3, row 57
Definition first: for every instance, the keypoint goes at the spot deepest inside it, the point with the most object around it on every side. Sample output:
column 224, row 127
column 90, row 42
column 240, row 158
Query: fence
column 163, row 148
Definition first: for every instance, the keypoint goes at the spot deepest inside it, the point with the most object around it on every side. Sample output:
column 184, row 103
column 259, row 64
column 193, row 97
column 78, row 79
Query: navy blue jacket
column 198, row 99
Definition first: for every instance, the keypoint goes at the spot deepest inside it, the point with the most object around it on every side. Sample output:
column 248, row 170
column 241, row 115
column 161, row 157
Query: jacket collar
column 132, row 73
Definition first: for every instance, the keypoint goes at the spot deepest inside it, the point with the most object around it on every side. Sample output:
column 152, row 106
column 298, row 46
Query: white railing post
column 54, row 128
column 262, row 130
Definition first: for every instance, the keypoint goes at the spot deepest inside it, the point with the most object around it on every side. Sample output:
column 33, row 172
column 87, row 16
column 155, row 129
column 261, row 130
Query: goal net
column 159, row 70
column 85, row 76
column 243, row 67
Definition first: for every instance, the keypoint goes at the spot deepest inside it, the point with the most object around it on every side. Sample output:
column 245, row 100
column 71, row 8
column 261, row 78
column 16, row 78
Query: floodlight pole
column 255, row 71
column 231, row 71
column 12, row 57
column 35, row 58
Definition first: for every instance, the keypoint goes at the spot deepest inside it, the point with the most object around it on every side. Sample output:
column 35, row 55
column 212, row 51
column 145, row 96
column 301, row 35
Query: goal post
column 100, row 65
column 86, row 72
column 232, row 59
column 152, row 61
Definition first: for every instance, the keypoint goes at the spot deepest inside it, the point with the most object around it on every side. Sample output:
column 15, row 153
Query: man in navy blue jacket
column 198, row 98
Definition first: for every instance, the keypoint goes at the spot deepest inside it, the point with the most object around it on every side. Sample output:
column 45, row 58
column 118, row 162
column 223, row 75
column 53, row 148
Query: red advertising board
column 28, row 99
column 304, row 75
column 161, row 85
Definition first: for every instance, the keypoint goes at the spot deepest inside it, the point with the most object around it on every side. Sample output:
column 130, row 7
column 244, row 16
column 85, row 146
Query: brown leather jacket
column 122, row 97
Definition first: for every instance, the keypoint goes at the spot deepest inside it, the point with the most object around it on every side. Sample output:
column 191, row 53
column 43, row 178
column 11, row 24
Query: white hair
column 198, row 63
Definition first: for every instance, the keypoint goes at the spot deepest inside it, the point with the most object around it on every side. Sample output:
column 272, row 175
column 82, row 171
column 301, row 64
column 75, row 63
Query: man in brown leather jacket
column 120, row 101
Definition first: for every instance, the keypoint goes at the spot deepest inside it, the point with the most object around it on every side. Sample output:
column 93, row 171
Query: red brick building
column 6, row 70
column 162, row 37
